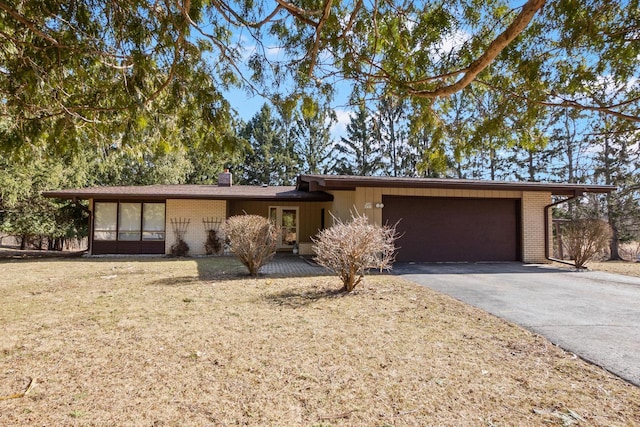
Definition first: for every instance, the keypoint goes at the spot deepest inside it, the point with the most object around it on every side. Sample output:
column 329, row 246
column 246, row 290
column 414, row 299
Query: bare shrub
column 585, row 238
column 179, row 249
column 253, row 239
column 212, row 245
column 630, row 251
column 351, row 248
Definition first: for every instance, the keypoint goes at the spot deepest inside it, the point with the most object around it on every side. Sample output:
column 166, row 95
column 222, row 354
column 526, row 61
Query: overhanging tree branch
column 31, row 25
column 518, row 25
column 570, row 103
column 316, row 44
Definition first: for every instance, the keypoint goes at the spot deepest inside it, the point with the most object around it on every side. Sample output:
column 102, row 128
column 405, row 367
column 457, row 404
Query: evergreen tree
column 392, row 133
column 617, row 163
column 270, row 159
column 361, row 154
column 314, row 144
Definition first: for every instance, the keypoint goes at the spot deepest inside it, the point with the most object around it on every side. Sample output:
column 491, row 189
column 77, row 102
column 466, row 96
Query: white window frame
column 278, row 221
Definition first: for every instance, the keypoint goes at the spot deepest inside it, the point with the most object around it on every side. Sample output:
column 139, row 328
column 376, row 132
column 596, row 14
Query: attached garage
column 438, row 229
column 453, row 220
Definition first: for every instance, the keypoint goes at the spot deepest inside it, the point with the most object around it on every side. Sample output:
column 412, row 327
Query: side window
column 105, row 220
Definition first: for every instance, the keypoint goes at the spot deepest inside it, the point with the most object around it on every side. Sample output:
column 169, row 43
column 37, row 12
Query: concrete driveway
column 593, row 314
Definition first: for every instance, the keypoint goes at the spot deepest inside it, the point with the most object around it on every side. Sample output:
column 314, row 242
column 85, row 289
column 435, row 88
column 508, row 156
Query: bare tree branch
column 316, row 45
column 300, row 13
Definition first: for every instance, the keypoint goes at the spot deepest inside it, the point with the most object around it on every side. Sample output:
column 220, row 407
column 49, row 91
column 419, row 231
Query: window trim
column 141, row 229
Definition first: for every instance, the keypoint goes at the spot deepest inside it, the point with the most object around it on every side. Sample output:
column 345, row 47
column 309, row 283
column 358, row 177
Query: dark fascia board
column 151, row 193
column 346, row 182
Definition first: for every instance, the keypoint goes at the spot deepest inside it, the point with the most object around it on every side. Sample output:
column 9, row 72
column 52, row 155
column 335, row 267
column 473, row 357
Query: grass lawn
column 619, row 267
column 192, row 342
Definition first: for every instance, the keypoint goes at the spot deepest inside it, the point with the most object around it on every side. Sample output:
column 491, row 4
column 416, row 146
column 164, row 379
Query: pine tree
column 313, row 138
column 269, row 159
column 360, row 153
column 617, row 163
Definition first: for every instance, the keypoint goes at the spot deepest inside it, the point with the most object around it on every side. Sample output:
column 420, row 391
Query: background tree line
column 277, row 144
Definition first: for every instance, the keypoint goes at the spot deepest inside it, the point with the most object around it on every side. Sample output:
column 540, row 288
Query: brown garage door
column 444, row 229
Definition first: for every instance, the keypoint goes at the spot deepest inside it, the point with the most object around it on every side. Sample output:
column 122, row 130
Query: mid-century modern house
column 440, row 220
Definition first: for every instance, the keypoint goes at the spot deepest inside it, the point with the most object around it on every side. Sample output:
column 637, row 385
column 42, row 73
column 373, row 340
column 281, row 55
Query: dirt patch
column 167, row 342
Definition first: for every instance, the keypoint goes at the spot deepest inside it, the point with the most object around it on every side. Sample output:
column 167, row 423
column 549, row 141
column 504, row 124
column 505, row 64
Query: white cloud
column 339, row 129
column 450, row 44
column 274, row 51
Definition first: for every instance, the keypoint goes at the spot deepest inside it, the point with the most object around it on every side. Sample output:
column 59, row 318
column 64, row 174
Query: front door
column 285, row 217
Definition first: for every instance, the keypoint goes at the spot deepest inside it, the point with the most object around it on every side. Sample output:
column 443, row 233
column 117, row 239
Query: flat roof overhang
column 345, row 182
column 200, row 192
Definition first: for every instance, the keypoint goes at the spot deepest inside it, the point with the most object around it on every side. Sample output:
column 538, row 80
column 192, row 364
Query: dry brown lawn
column 155, row 342
column 619, row 267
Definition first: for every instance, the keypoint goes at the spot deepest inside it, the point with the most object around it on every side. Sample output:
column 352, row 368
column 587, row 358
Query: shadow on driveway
column 475, row 268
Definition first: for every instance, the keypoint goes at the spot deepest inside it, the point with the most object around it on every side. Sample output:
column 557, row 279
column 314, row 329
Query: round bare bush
column 351, row 248
column 213, row 245
column 253, row 239
column 585, row 238
column 179, row 248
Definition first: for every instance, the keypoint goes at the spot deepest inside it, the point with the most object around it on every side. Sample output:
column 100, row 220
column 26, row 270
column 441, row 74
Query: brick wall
column 533, row 233
column 195, row 211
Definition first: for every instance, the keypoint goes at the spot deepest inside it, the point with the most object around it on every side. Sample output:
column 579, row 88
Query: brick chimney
column 225, row 179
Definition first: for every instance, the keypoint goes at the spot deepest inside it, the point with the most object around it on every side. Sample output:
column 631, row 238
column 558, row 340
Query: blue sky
column 247, row 105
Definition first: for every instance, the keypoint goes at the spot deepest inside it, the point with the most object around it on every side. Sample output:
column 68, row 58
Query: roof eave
column 303, row 197
column 325, row 183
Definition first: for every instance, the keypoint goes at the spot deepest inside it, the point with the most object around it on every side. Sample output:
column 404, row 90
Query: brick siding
column 195, row 211
column 533, row 233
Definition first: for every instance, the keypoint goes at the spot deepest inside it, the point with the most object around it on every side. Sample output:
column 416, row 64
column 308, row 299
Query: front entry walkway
column 292, row 265
column 593, row 314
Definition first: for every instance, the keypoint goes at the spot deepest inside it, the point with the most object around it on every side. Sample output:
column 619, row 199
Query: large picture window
column 105, row 221
column 153, row 221
column 129, row 221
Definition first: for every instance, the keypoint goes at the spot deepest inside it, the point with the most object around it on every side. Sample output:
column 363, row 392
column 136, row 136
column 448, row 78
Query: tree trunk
column 614, row 244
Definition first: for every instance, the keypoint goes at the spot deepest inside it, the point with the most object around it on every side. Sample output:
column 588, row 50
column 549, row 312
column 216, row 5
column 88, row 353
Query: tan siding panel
column 310, row 214
column 342, row 206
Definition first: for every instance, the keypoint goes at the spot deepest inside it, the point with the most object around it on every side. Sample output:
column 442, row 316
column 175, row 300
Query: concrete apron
column 594, row 315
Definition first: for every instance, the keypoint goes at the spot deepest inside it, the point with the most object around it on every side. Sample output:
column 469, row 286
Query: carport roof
column 205, row 192
column 314, row 183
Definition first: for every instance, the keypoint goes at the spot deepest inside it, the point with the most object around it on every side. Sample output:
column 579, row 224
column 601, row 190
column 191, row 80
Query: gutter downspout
column 576, row 194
